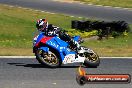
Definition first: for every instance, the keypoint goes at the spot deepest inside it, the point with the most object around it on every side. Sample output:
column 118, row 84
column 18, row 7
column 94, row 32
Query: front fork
column 35, row 49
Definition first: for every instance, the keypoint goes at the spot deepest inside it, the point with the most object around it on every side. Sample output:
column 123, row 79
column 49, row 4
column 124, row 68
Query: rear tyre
column 50, row 59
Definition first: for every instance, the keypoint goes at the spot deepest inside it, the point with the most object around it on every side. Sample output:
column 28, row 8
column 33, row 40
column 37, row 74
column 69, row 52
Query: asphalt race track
column 103, row 13
column 28, row 73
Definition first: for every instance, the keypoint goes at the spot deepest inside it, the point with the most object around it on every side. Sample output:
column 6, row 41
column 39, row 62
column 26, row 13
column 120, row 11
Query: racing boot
column 75, row 45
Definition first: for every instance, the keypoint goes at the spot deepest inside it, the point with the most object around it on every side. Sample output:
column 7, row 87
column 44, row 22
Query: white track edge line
column 34, row 57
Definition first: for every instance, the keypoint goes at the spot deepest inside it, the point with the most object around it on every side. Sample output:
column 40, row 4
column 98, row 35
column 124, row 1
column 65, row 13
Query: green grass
column 121, row 46
column 114, row 3
column 17, row 27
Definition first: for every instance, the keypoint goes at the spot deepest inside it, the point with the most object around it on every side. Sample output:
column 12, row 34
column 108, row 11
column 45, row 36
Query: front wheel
column 91, row 59
column 49, row 58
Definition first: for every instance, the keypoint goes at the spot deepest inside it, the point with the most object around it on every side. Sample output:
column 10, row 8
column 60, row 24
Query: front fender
column 46, row 49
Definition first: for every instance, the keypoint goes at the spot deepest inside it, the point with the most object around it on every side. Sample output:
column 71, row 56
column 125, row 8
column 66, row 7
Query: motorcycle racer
column 53, row 47
column 51, row 30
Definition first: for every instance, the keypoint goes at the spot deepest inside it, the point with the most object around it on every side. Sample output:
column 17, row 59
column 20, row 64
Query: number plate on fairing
column 70, row 58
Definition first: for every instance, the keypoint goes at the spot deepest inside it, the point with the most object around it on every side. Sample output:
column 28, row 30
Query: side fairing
column 61, row 46
column 38, row 39
column 57, row 44
column 43, row 39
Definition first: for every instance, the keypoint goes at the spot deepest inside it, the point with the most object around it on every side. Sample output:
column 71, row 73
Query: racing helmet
column 41, row 24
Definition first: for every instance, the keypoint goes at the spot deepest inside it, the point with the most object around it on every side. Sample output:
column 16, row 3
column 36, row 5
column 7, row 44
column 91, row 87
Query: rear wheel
column 91, row 59
column 49, row 58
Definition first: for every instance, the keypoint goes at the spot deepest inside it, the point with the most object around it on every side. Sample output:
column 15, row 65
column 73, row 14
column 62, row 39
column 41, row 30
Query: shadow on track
column 41, row 66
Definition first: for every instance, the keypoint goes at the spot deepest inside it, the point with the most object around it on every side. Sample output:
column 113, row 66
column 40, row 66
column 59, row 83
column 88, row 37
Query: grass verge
column 121, row 46
column 17, row 26
column 114, row 3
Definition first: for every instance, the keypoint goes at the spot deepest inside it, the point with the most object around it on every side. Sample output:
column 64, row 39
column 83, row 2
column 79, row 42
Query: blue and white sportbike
column 53, row 52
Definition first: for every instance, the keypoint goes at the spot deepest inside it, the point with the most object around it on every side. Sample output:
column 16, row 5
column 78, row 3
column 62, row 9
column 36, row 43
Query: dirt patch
column 91, row 38
column 16, row 52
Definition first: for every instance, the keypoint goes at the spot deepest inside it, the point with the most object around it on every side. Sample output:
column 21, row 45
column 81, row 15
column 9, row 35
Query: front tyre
column 50, row 58
column 91, row 59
